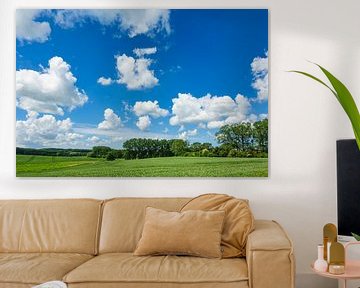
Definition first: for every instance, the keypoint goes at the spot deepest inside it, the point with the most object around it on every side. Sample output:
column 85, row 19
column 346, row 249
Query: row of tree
column 52, row 152
column 236, row 140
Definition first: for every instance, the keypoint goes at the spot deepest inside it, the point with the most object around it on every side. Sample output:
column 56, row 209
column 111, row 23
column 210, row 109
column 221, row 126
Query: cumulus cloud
column 69, row 18
column 259, row 68
column 135, row 73
column 144, row 21
column 212, row 111
column 140, row 52
column 111, row 122
column 50, row 90
column 94, row 139
column 186, row 134
column 29, row 29
column 131, row 21
column 104, row 81
column 46, row 131
column 143, row 123
column 149, row 108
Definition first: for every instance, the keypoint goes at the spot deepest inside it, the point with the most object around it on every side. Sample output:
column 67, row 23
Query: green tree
column 100, row 151
column 261, row 135
column 111, row 156
column 179, row 147
column 238, row 136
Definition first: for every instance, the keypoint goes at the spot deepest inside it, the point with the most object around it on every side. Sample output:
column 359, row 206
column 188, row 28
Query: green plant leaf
column 344, row 97
column 356, row 236
column 316, row 79
column 347, row 102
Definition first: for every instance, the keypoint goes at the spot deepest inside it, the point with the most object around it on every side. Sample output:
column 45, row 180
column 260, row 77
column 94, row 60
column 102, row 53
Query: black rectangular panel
column 348, row 187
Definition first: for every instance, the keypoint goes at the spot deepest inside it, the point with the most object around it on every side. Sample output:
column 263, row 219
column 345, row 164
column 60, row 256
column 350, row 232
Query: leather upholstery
column 239, row 220
column 126, row 268
column 192, row 233
column 40, row 226
column 64, row 226
column 36, row 268
column 242, row 284
column 123, row 218
column 269, row 256
column 15, row 285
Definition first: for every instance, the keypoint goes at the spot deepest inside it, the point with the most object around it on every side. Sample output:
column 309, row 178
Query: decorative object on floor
column 329, row 236
column 142, row 93
column 194, row 233
column 52, row 284
column 239, row 220
column 344, row 97
column 320, row 264
column 337, row 258
column 352, row 272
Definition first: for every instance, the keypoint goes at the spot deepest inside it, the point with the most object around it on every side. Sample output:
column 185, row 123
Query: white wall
column 305, row 120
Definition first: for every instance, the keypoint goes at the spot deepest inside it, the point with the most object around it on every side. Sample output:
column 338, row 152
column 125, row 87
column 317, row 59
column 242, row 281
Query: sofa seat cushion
column 127, row 268
column 36, row 268
column 242, row 284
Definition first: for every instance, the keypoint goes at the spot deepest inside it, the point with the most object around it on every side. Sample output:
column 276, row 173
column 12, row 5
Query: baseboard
column 309, row 280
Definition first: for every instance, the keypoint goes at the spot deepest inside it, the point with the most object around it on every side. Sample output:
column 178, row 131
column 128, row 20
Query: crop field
column 48, row 166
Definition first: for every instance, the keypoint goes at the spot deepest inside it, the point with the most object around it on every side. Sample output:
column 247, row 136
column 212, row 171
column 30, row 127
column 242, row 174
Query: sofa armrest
column 269, row 256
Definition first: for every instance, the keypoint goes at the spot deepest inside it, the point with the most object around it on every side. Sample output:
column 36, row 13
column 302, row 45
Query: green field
column 47, row 166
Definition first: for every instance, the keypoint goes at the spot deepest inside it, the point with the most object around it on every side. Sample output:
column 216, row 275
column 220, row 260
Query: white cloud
column 259, row 68
column 214, row 111
column 104, row 81
column 149, row 108
column 28, row 29
column 132, row 21
column 94, row 139
column 186, row 134
column 140, row 52
column 49, row 91
column 252, row 118
column 144, row 21
column 201, row 126
column 69, row 18
column 263, row 116
column 111, row 122
column 46, row 131
column 135, row 73
column 143, row 123
column 123, row 133
column 215, row 124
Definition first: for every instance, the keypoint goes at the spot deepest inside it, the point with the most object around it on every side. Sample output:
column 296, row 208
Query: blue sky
column 100, row 77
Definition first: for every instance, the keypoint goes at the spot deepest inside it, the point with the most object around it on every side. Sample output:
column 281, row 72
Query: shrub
column 111, row 156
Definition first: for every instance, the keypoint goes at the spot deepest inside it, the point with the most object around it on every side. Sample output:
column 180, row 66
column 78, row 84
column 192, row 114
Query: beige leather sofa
column 89, row 243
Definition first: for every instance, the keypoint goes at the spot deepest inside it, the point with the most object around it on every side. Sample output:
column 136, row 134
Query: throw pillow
column 238, row 224
column 196, row 233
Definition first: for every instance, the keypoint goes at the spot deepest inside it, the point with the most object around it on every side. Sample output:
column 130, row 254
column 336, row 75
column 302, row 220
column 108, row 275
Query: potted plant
column 345, row 99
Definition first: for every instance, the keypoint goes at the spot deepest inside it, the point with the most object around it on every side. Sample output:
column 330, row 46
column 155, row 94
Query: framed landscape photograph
column 142, row 93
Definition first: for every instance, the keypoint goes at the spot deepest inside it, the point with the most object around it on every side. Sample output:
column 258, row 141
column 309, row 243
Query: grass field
column 47, row 166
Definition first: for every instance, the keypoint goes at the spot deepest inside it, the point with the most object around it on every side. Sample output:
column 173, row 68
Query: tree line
column 52, row 152
column 235, row 140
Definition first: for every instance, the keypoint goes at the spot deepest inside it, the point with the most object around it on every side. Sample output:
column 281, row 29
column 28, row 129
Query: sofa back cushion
column 123, row 220
column 66, row 226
